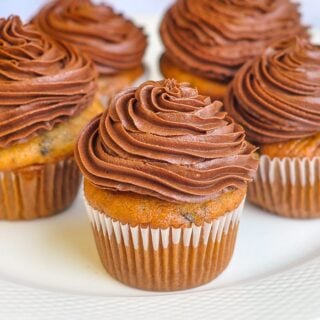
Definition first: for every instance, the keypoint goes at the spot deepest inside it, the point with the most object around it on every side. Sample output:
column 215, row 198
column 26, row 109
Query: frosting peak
column 165, row 140
column 42, row 83
column 277, row 97
column 214, row 38
column 114, row 43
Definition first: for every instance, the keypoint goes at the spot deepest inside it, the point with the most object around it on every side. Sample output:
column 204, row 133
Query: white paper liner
column 287, row 186
column 38, row 190
column 189, row 236
column 165, row 259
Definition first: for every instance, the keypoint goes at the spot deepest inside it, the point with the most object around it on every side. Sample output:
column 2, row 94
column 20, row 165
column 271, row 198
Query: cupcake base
column 38, row 190
column 214, row 89
column 288, row 187
column 165, row 259
column 108, row 86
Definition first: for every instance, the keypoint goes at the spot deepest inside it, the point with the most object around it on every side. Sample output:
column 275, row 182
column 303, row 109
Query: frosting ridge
column 213, row 39
column 113, row 42
column 42, row 83
column 276, row 97
column 165, row 140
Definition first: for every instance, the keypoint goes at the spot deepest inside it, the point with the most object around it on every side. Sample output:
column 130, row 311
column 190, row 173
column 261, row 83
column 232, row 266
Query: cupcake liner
column 38, row 190
column 165, row 259
column 289, row 187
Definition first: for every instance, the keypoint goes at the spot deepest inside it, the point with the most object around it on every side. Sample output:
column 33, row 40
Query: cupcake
column 166, row 175
column 47, row 94
column 277, row 100
column 114, row 43
column 207, row 41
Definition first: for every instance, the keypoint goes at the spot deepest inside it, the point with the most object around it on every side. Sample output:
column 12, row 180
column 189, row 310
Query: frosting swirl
column 213, row 39
column 114, row 43
column 165, row 140
column 42, row 83
column 277, row 96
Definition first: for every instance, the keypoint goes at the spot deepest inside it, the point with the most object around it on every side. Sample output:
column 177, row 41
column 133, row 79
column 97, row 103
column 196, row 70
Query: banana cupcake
column 207, row 41
column 113, row 42
column 47, row 94
column 277, row 100
column 166, row 176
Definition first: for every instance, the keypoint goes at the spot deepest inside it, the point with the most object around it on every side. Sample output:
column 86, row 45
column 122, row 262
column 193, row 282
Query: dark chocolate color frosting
column 113, row 42
column 214, row 38
column 165, row 140
column 277, row 96
column 42, row 83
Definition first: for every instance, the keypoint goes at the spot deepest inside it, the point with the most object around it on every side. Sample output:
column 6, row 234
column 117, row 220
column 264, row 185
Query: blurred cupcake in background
column 115, row 44
column 276, row 98
column 47, row 94
column 207, row 41
column 166, row 176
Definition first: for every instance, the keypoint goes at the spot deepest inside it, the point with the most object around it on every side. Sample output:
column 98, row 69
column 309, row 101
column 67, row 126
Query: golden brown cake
column 130, row 208
column 166, row 174
column 208, row 87
column 207, row 41
column 110, row 85
column 47, row 95
column 297, row 148
column 276, row 98
column 113, row 42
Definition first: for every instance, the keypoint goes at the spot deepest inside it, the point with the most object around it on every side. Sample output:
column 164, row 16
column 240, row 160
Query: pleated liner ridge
column 165, row 259
column 38, row 190
column 289, row 187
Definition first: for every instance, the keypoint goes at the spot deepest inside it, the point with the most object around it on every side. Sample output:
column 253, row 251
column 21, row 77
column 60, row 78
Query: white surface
column 59, row 253
column 49, row 269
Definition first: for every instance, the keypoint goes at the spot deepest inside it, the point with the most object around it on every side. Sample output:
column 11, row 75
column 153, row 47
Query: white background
column 25, row 8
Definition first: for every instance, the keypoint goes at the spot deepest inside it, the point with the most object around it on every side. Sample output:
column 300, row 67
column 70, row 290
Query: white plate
column 49, row 269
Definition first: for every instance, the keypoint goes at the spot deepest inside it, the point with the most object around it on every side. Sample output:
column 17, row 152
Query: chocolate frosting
column 277, row 97
column 165, row 140
column 214, row 38
column 42, row 83
column 114, row 43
